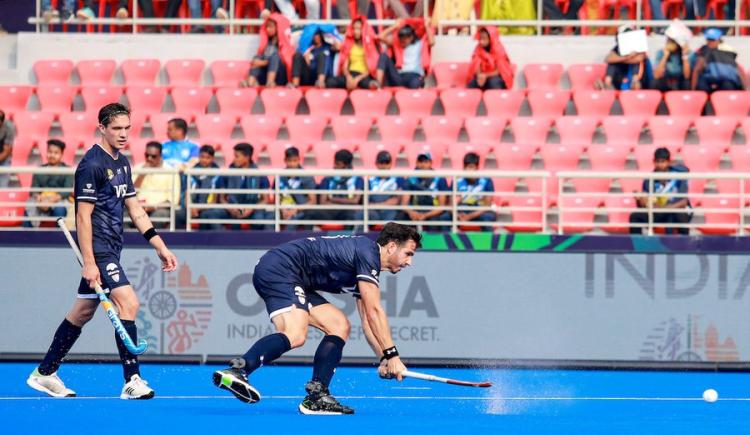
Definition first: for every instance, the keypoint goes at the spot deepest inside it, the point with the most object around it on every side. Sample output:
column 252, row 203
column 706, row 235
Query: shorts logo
column 88, row 185
column 113, row 272
column 300, row 292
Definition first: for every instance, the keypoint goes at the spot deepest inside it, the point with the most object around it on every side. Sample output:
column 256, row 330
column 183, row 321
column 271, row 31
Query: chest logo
column 110, row 174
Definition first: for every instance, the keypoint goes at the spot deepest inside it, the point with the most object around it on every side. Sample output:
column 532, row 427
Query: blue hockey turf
column 521, row 402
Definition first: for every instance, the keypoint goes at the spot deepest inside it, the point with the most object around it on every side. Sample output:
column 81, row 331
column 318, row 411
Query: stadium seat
column 56, row 99
column 140, row 72
column 461, row 102
column 229, row 73
column 685, row 103
column 635, row 184
column 623, row 130
column 159, row 123
column 640, row 102
column 451, row 74
column 745, row 125
column 593, row 103
column 516, row 157
column 442, row 128
column 608, row 157
column 236, row 102
column 503, row 103
column 437, row 152
column 325, row 102
column 644, row 157
column 534, row 185
column 526, row 214
column 487, row 129
column 543, row 76
column 96, row 96
column 276, row 150
column 21, row 150
column 306, row 128
column 280, row 101
column 504, row 188
column 14, row 98
column 193, row 100
column 668, row 131
column 739, row 155
column 137, row 147
column 560, row 157
column 731, row 186
column 591, row 185
column 147, row 99
column 80, row 125
column 530, row 130
column 584, row 76
column 731, row 103
column 261, row 128
column 715, row 129
column 576, row 129
column 457, row 151
column 721, row 215
column 702, row 158
column 53, row 72
column 12, row 206
column 370, row 103
column 576, row 213
column 351, row 128
column 618, row 210
column 324, row 152
column 548, row 103
column 137, row 120
column 397, row 129
column 368, row 151
column 185, row 72
column 33, row 125
column 415, row 102
column 96, row 72
column 215, row 127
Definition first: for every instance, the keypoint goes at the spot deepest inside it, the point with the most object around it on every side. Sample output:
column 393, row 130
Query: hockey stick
column 106, row 304
column 426, row 377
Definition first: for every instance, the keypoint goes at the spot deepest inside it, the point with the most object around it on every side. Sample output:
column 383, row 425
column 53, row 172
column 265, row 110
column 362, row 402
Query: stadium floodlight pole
column 106, row 304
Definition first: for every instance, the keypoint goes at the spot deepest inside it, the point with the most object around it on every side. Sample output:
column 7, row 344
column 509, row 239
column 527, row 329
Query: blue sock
column 327, row 358
column 65, row 336
column 129, row 360
column 266, row 350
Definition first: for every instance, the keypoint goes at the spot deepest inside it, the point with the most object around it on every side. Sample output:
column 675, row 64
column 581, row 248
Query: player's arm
column 85, row 234
column 143, row 223
column 377, row 322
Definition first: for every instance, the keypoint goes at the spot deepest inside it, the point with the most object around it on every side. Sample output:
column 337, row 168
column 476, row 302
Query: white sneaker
column 122, row 13
column 51, row 384
column 137, row 389
column 222, row 13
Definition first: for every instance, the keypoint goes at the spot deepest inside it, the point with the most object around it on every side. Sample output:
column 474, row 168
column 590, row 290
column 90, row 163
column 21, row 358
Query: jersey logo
column 113, row 272
column 110, row 174
column 120, row 189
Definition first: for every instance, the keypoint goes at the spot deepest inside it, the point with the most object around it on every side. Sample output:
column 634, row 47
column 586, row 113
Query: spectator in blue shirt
column 206, row 160
column 420, row 203
column 313, row 61
column 351, row 188
column 287, row 186
column 380, row 191
column 471, row 192
column 179, row 152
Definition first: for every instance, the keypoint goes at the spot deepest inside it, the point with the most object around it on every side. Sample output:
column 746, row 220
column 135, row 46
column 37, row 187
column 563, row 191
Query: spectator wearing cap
column 157, row 192
column 6, row 143
column 349, row 186
column 674, row 63
column 200, row 181
column 51, row 202
column 178, row 151
column 668, row 194
column 429, row 192
column 411, row 50
column 627, row 71
column 475, row 192
column 381, row 190
column 716, row 66
column 294, row 204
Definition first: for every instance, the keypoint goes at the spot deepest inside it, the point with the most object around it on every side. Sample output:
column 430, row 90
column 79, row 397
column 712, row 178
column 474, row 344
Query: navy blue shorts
column 111, row 274
column 280, row 290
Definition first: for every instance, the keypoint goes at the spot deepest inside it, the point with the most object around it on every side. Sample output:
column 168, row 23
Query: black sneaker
column 234, row 380
column 320, row 402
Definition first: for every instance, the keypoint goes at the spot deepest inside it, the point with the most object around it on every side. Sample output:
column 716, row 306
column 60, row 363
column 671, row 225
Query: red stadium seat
column 457, row 151
column 740, row 158
column 534, row 185
column 526, row 214
column 324, row 152
column 397, row 129
column 721, row 215
column 461, row 102
column 191, row 100
column 280, row 101
column 185, row 72
column 96, row 97
column 630, row 185
column 591, row 185
column 437, row 152
column 229, row 73
column 351, row 128
column 14, row 98
column 584, row 76
column 12, row 207
column 485, row 128
column 619, row 209
column 368, row 151
column 644, row 157
column 504, row 188
column 700, row 158
column 442, row 128
column 33, row 125
column 261, row 128
column 56, row 99
column 731, row 103
column 607, row 157
column 548, row 103
column 530, row 130
column 576, row 213
column 668, row 130
column 640, row 102
column 451, row 74
column 623, row 130
column 715, row 129
column 276, row 150
column 236, row 102
column 325, row 102
column 543, row 76
column 96, row 72
column 148, row 99
column 370, row 103
column 515, row 157
column 137, row 147
column 685, row 103
column 80, row 125
column 21, row 151
column 731, row 186
column 593, row 103
column 745, row 124
column 560, row 157
column 415, row 102
column 215, row 127
column 576, row 129
column 137, row 120
column 306, row 128
column 53, row 72
column 140, row 72
column 159, row 123
column 503, row 103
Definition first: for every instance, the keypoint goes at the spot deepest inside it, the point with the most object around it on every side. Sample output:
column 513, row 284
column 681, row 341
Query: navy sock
column 327, row 358
column 265, row 351
column 129, row 361
column 65, row 336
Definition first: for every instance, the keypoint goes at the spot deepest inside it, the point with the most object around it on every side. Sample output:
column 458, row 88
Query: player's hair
column 291, row 152
column 154, row 144
column 245, row 148
column 471, row 159
column 110, row 111
column 180, row 123
column 56, row 143
column 208, row 149
column 393, row 232
column 344, row 156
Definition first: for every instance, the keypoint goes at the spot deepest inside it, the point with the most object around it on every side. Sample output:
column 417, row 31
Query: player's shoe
column 320, row 402
column 234, row 380
column 136, row 389
column 51, row 384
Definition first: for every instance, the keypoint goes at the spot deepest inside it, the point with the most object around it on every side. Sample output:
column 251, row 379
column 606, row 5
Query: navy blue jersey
column 105, row 182
column 331, row 264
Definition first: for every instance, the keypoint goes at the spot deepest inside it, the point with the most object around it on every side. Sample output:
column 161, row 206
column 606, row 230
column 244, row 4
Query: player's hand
column 91, row 274
column 395, row 367
column 168, row 259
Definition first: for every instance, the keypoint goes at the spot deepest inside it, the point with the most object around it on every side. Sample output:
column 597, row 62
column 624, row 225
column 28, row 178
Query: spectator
column 6, row 145
column 87, row 11
column 381, row 191
column 203, row 182
column 510, row 10
column 629, row 71
column 286, row 7
column 157, row 192
column 553, row 12
column 195, row 8
column 663, row 196
column 53, row 203
column 411, row 51
column 421, row 199
column 313, row 60
column 347, row 8
column 358, row 58
column 243, row 159
column 490, row 66
column 675, row 62
column 65, row 13
column 473, row 194
column 178, row 151
column 349, row 186
column 716, row 66
column 272, row 64
column 287, row 186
